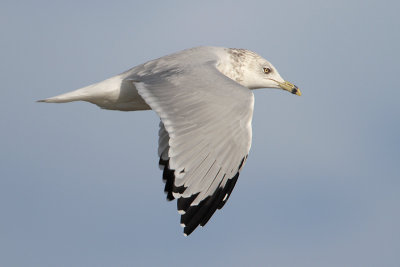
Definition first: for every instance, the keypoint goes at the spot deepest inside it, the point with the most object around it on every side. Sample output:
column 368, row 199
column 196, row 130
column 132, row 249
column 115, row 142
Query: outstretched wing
column 204, row 137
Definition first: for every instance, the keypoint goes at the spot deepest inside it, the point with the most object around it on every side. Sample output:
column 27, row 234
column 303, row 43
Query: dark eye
column 267, row 70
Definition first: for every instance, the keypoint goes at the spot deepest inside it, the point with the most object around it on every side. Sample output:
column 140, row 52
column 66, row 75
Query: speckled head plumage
column 253, row 71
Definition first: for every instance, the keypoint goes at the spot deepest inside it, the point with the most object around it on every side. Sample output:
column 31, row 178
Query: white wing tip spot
column 183, row 225
column 181, row 212
column 225, row 197
column 176, row 195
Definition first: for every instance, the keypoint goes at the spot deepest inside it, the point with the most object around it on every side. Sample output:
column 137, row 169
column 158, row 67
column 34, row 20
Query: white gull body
column 204, row 100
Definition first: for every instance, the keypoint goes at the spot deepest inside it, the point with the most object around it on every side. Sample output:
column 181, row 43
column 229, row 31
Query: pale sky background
column 81, row 186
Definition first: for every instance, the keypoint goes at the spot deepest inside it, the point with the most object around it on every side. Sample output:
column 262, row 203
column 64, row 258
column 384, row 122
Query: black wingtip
column 195, row 215
column 169, row 179
column 183, row 203
column 200, row 214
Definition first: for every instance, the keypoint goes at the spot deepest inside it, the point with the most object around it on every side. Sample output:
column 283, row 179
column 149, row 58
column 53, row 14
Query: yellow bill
column 290, row 87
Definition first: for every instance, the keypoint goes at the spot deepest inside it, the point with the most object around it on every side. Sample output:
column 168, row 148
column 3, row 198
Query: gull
column 205, row 102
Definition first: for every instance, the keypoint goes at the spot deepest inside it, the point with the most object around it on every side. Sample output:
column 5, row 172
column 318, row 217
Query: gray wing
column 204, row 137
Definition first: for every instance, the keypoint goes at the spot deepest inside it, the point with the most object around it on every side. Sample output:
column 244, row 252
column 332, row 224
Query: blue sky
column 80, row 186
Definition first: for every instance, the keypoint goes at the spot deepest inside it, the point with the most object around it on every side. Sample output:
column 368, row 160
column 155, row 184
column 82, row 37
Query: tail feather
column 108, row 89
column 77, row 95
column 114, row 93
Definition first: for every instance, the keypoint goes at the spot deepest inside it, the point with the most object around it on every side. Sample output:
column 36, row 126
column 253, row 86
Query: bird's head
column 257, row 72
column 270, row 78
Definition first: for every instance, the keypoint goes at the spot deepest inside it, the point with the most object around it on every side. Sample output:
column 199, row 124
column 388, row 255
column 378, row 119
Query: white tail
column 113, row 93
column 106, row 89
column 77, row 95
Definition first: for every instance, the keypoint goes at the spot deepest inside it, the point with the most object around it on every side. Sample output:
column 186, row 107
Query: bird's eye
column 267, row 70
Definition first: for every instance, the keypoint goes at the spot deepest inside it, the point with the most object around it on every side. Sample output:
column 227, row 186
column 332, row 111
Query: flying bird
column 204, row 99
